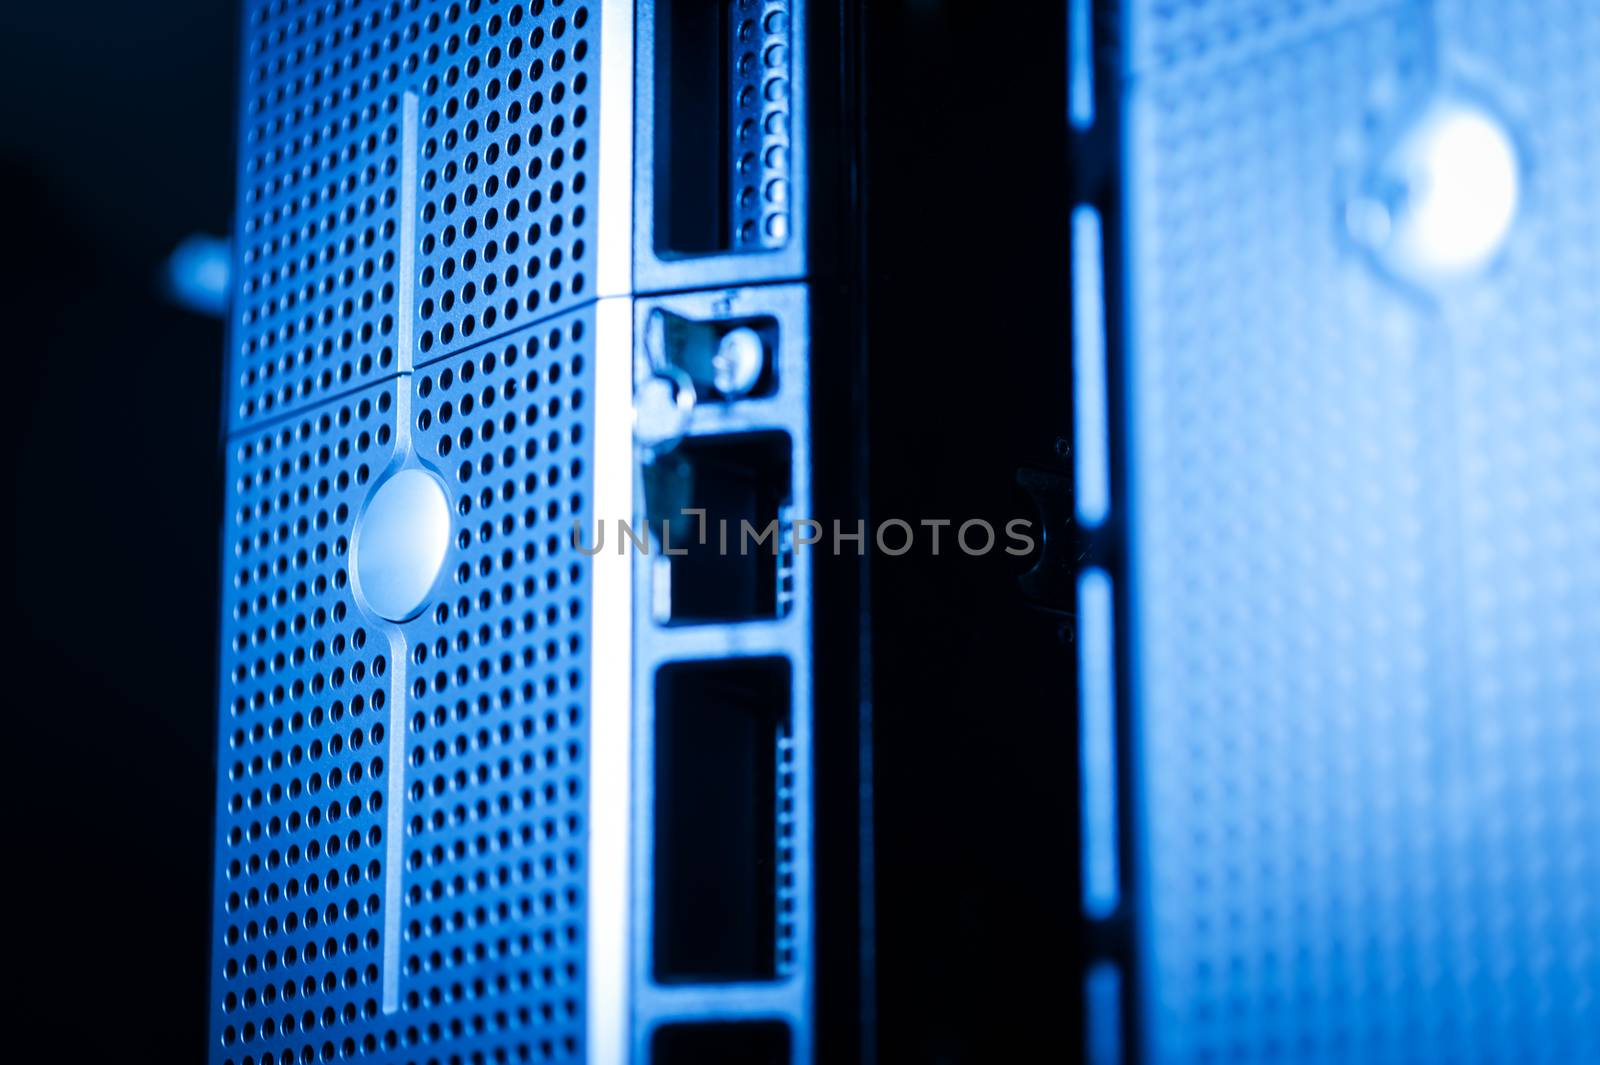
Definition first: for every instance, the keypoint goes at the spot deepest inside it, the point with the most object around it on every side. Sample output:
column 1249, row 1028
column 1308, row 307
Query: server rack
column 508, row 275
column 500, row 873
column 1347, row 530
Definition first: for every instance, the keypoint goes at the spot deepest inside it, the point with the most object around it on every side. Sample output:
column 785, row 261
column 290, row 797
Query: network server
column 489, row 790
column 1336, row 261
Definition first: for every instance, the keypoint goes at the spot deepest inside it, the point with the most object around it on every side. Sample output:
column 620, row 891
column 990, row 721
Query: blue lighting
column 1364, row 531
column 1093, row 463
column 1080, row 63
column 1097, row 744
column 198, row 274
column 1102, row 993
column 1442, row 202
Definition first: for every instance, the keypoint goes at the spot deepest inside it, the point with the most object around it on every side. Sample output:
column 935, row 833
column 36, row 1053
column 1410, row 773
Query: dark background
column 116, row 143
column 967, row 207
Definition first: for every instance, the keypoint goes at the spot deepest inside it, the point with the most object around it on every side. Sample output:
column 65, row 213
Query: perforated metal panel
column 488, row 902
column 302, row 831
column 507, row 182
column 758, row 42
column 493, row 895
column 318, row 203
column 434, row 833
column 1170, row 35
column 403, row 835
column 502, row 183
column 1365, row 552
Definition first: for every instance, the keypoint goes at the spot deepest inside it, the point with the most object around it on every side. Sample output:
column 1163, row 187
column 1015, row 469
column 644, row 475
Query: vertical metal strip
column 406, row 311
column 614, row 195
column 394, row 827
column 611, row 577
column 394, row 853
column 610, row 691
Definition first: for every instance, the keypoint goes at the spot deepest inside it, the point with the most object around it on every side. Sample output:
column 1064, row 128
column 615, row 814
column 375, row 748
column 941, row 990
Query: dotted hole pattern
column 491, row 933
column 507, row 189
column 788, row 890
column 318, row 202
column 305, row 717
column 1369, row 834
column 759, row 44
column 505, row 202
column 495, row 723
column 498, row 690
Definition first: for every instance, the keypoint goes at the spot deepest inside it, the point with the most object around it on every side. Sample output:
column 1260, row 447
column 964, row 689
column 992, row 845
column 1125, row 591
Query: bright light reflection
column 1442, row 202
